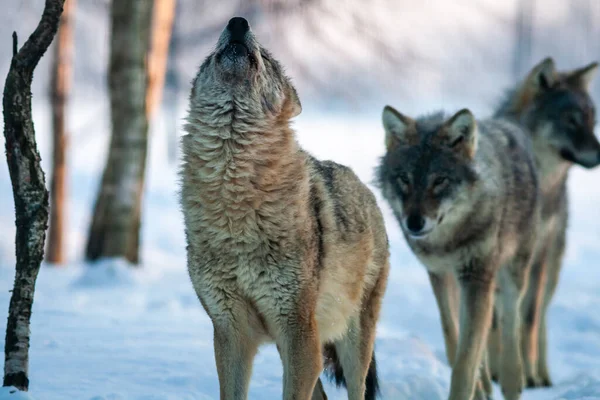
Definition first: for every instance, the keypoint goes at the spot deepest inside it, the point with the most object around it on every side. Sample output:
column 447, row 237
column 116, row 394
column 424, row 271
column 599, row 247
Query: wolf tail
column 335, row 373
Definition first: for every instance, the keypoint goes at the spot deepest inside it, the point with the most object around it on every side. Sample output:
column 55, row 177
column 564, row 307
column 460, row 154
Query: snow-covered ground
column 114, row 333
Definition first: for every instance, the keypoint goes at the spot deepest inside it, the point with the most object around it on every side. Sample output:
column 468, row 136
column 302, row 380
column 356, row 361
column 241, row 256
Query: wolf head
column 240, row 74
column 428, row 169
column 558, row 110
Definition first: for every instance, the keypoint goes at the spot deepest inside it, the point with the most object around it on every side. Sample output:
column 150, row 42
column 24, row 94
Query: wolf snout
column 238, row 27
column 587, row 159
column 415, row 224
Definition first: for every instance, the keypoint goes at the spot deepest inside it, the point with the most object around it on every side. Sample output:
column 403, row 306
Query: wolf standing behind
column 281, row 247
column 557, row 111
column 466, row 197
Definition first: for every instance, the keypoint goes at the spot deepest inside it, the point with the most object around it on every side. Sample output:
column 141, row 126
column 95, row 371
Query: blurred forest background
column 345, row 57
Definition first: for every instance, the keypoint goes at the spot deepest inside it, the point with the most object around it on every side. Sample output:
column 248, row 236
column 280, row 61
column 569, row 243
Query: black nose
column 238, row 27
column 415, row 223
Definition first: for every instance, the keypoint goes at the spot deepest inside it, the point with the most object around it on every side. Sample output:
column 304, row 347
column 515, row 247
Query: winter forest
column 114, row 315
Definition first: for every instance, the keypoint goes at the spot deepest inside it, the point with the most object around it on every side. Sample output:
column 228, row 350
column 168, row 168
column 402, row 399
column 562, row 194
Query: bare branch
column 29, row 191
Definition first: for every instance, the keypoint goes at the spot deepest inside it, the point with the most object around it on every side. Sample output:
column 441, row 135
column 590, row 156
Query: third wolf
column 466, row 196
column 556, row 110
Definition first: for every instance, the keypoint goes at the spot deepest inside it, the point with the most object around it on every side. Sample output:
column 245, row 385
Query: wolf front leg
column 446, row 294
column 511, row 280
column 485, row 388
column 476, row 280
column 235, row 348
column 494, row 348
column 319, row 392
column 300, row 352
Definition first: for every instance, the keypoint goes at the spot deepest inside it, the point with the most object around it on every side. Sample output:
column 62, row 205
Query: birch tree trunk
column 61, row 83
column 172, row 90
column 116, row 220
column 162, row 27
column 29, row 191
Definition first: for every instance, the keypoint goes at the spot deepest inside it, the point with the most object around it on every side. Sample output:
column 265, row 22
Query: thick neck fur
column 242, row 173
column 552, row 169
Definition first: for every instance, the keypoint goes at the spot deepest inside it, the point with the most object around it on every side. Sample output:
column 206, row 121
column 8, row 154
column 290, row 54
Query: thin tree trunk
column 524, row 37
column 162, row 27
column 116, row 220
column 61, row 82
column 172, row 89
column 29, row 191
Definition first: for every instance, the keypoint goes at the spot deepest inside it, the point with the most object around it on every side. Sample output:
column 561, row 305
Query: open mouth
column 586, row 160
column 568, row 155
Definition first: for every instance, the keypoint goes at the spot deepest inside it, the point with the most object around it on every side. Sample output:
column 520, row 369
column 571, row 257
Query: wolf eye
column 440, row 180
column 404, row 182
column 574, row 120
column 439, row 183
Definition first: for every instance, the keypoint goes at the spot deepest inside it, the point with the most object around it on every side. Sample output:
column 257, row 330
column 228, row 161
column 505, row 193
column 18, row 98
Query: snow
column 113, row 332
column 11, row 393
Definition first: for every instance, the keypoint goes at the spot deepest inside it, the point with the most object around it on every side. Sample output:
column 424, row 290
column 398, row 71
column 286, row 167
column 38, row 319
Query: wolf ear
column 542, row 76
column 461, row 133
column 296, row 106
column 584, row 76
column 399, row 129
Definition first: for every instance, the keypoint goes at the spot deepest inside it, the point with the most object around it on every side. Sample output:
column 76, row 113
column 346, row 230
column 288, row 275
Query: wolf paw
column 481, row 395
column 512, row 393
column 512, row 386
column 546, row 382
column 532, row 382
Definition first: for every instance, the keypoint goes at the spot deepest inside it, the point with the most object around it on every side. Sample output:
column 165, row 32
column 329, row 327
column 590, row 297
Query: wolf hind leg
column 353, row 356
column 554, row 265
column 532, row 310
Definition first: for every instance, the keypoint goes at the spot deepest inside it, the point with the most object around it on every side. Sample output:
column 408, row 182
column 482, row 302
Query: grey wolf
column 465, row 194
column 281, row 247
column 556, row 110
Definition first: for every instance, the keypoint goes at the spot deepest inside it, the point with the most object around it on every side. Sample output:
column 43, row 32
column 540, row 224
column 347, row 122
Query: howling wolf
column 281, row 247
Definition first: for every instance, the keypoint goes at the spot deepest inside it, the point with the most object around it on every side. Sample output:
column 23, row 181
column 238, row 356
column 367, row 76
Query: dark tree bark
column 115, row 230
column 29, row 191
column 61, row 82
column 523, row 37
